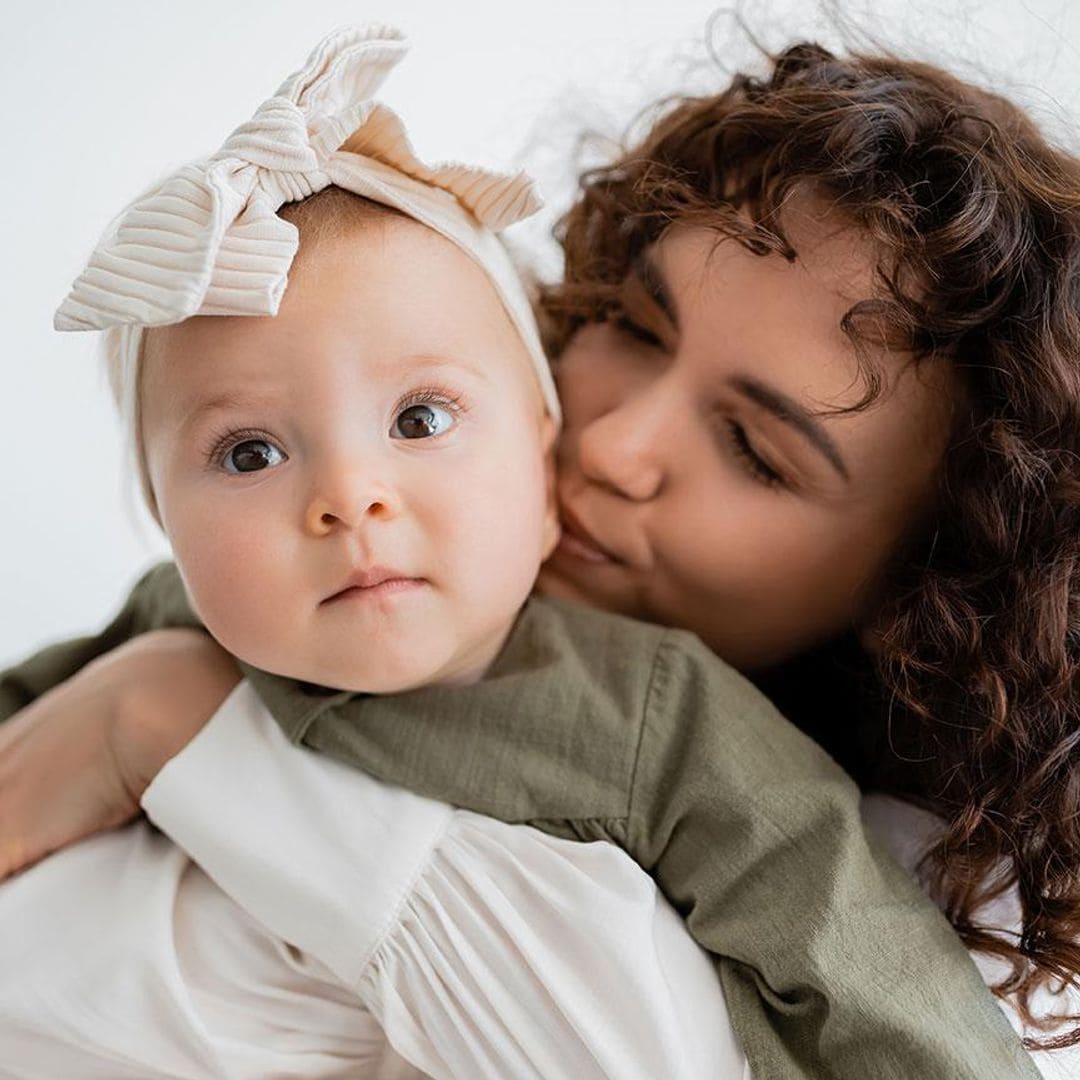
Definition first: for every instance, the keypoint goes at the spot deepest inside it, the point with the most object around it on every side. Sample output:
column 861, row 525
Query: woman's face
column 696, row 489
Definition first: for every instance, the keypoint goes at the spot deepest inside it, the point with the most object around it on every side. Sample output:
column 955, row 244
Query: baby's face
column 383, row 431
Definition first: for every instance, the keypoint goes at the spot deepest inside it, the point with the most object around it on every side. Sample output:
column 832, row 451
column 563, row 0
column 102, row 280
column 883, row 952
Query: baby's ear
column 549, row 432
column 152, row 506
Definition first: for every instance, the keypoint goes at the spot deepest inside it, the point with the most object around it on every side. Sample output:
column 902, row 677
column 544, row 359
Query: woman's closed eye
column 753, row 462
column 636, row 330
column 735, row 434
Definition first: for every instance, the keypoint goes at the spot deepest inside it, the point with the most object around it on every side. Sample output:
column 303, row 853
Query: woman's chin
column 565, row 578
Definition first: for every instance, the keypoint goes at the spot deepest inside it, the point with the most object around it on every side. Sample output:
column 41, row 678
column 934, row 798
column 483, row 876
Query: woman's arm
column 156, row 600
column 75, row 760
column 71, row 763
column 485, row 949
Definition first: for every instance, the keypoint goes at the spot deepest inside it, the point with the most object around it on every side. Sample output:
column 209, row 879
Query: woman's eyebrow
column 783, row 407
column 792, row 413
column 652, row 278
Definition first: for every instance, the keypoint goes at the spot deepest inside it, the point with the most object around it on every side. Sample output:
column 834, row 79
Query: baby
column 354, row 473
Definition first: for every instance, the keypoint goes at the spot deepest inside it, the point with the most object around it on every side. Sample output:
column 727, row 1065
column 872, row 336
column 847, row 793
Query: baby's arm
column 833, row 961
column 486, row 950
column 643, row 1004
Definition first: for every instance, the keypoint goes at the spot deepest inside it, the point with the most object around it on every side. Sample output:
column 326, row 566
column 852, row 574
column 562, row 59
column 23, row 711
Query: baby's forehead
column 395, row 293
column 408, row 301
column 208, row 356
column 189, row 373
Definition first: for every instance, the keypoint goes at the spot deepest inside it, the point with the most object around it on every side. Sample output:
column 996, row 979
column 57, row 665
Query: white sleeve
column 485, row 949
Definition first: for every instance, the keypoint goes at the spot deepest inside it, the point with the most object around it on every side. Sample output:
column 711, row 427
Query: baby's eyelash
column 432, row 395
column 220, row 442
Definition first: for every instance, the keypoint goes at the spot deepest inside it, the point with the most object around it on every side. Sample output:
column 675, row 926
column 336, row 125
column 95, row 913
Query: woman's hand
column 77, row 760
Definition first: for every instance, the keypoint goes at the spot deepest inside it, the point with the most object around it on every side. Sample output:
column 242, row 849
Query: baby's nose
column 347, row 499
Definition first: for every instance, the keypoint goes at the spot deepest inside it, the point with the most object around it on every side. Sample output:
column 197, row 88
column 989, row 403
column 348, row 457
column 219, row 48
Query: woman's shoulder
column 908, row 831
column 619, row 644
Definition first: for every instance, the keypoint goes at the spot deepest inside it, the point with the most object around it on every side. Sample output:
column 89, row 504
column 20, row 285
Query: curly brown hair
column 971, row 706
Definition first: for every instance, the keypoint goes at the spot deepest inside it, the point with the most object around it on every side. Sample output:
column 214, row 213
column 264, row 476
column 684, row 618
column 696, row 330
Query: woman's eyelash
column 623, row 322
column 741, row 445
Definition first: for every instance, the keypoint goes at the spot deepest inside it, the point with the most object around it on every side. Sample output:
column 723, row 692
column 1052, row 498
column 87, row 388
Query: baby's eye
column 251, row 455
column 421, row 421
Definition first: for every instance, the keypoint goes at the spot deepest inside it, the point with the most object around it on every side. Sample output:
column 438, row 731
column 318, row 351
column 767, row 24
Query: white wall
column 97, row 99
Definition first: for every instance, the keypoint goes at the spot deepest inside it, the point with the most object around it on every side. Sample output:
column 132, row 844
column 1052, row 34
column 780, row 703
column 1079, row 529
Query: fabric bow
column 207, row 240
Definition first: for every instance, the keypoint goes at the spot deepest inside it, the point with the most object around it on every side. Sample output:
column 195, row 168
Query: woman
column 935, row 649
column 899, row 571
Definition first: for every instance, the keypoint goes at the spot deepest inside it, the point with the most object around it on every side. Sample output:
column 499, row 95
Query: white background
column 100, row 98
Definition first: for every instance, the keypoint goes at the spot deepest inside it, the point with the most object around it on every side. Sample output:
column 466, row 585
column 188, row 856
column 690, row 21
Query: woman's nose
column 347, row 497
column 628, row 448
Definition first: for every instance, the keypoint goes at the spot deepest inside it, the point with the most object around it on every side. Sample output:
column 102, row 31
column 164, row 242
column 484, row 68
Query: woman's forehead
column 771, row 307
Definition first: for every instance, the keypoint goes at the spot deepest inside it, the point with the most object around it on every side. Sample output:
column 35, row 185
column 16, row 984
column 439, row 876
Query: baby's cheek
column 504, row 528
column 230, row 579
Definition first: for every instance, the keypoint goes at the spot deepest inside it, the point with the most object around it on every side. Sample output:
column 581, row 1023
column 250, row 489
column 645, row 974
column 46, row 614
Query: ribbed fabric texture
column 207, row 239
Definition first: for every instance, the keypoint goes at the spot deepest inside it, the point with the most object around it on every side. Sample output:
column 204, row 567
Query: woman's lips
column 574, row 545
column 576, row 541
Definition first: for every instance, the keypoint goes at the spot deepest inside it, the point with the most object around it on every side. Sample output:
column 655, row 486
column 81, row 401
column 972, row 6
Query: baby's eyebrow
column 468, row 364
column 229, row 401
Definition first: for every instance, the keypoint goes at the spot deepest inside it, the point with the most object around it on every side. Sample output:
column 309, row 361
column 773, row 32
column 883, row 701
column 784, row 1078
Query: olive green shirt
column 592, row 726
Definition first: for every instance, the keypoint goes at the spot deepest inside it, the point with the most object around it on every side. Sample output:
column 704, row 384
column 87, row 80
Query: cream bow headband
column 207, row 239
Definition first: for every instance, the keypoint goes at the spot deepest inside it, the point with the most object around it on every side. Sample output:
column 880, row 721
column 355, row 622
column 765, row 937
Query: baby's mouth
column 374, row 582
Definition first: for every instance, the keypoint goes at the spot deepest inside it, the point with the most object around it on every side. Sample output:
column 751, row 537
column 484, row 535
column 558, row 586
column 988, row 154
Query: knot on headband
column 207, row 240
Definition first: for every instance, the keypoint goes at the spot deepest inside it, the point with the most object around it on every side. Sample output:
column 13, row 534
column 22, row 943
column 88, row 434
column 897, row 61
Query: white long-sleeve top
column 331, row 915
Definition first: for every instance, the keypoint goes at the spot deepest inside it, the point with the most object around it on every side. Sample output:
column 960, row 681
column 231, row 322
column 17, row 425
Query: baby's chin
column 373, row 675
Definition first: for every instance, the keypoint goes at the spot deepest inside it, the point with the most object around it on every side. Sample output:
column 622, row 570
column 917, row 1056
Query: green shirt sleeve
column 157, row 600
column 833, row 961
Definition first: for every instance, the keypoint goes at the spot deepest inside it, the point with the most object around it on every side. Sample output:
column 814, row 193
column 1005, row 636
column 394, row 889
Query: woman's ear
column 871, row 634
column 549, row 432
column 870, row 640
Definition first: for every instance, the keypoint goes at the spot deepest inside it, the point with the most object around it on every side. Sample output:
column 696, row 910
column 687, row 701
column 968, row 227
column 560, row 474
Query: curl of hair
column 976, row 221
